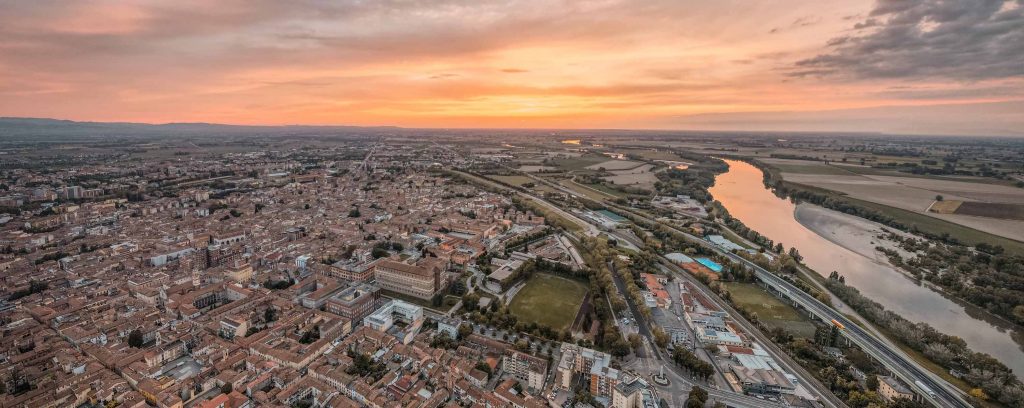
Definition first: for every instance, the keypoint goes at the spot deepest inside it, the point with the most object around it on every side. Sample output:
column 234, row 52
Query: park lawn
column 549, row 300
column 770, row 310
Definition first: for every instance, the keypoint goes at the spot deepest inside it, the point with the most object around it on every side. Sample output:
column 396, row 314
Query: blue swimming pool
column 712, row 265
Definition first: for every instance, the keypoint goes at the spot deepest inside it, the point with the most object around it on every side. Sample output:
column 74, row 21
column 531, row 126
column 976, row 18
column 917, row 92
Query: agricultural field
column 578, row 162
column 542, row 188
column 991, row 210
column 606, row 190
column 549, row 300
column 651, row 154
column 918, row 195
column 513, row 180
column 933, row 223
column 945, row 207
column 594, row 192
column 536, row 168
column 770, row 310
column 806, row 167
column 612, row 165
column 641, row 176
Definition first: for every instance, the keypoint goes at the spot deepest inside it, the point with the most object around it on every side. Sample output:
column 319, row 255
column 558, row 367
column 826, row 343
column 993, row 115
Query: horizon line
column 535, row 129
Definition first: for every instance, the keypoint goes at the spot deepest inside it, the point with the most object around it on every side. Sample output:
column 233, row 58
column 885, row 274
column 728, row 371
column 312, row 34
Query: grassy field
column 606, row 190
column 945, row 207
column 582, row 190
column 612, row 165
column 874, row 171
column 770, row 310
column 586, row 192
column 640, row 176
column 513, row 180
column 811, row 168
column 578, row 163
column 541, row 188
column 549, row 300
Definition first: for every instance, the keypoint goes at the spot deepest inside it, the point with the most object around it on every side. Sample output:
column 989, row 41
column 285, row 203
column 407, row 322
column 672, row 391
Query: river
column 741, row 190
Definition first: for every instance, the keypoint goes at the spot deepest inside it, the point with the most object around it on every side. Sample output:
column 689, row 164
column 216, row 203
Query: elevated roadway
column 930, row 388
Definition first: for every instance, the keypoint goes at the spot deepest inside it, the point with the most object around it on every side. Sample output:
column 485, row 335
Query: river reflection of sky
column 742, row 192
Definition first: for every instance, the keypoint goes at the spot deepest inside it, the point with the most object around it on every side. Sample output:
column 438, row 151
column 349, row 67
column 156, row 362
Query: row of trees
column 693, row 181
column 697, row 398
column 990, row 376
column 686, row 359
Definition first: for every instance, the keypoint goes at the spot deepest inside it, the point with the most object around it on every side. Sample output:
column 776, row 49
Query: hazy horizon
column 749, row 129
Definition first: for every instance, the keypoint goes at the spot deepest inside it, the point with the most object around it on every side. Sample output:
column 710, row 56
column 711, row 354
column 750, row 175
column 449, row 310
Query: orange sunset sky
column 929, row 66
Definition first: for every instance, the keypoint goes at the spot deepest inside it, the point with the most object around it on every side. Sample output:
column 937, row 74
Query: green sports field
column 549, row 300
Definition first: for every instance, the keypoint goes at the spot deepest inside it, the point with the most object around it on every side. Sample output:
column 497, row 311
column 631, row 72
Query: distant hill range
column 39, row 128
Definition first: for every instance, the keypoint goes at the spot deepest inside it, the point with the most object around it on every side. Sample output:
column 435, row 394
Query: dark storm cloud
column 962, row 40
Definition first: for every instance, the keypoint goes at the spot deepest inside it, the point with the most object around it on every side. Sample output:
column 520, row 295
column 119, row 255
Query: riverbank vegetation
column 973, row 272
column 986, row 274
column 980, row 370
column 694, row 181
column 983, row 276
